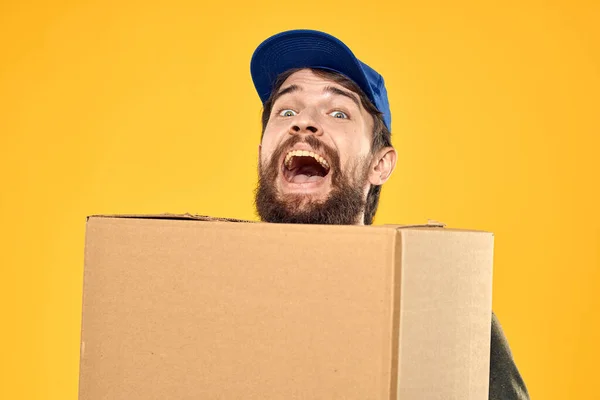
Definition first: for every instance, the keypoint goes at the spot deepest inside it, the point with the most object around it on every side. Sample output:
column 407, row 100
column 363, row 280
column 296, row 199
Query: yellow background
column 148, row 107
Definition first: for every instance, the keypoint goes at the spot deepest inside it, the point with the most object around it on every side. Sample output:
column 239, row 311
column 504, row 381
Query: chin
column 302, row 201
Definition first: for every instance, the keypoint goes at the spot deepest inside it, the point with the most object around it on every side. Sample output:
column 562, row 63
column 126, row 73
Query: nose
column 306, row 123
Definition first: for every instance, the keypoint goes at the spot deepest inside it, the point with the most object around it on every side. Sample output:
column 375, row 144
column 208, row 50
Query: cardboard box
column 176, row 307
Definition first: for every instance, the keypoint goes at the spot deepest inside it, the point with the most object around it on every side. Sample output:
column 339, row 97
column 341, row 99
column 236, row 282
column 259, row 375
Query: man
column 326, row 149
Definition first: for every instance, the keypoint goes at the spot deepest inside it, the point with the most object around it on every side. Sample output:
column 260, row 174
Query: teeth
column 304, row 153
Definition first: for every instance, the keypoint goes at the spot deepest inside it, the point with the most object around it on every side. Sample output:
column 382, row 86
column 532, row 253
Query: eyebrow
column 340, row 92
column 289, row 89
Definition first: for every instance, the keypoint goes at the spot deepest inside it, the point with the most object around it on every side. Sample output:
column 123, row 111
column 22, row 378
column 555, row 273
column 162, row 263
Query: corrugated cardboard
column 182, row 307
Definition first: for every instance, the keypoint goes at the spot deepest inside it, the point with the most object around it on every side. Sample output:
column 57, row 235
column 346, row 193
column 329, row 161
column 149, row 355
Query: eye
column 287, row 113
column 338, row 114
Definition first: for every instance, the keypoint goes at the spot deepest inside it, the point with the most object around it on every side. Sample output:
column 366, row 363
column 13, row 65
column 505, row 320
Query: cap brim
column 303, row 49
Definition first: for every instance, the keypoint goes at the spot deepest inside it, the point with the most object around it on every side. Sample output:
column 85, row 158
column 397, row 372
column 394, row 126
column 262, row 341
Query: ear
column 259, row 149
column 382, row 166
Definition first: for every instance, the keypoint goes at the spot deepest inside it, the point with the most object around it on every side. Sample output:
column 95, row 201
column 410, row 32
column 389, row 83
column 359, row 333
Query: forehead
column 308, row 83
column 308, row 80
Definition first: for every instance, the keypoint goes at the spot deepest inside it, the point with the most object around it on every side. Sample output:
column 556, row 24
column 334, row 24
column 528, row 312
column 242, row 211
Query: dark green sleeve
column 506, row 382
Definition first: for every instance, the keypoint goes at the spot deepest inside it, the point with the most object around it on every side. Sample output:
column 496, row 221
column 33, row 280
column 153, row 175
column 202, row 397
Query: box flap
column 185, row 216
column 430, row 224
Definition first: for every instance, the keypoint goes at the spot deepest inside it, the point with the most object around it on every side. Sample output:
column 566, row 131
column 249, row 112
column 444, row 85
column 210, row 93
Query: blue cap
column 314, row 49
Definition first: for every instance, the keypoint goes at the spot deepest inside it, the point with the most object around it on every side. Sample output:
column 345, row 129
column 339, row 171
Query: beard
column 343, row 206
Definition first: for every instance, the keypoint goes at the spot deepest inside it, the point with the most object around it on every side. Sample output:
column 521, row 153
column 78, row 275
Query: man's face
column 315, row 154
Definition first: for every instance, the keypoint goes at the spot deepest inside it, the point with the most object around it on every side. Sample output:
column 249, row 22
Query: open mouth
column 301, row 166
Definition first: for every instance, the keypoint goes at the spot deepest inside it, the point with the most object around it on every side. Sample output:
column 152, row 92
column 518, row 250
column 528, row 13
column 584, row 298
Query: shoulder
column 506, row 382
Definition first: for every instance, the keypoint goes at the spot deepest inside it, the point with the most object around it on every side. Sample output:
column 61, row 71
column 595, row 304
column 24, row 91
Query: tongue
column 301, row 178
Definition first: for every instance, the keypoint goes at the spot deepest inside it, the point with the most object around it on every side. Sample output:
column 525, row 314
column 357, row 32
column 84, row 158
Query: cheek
column 265, row 153
column 274, row 135
column 267, row 148
column 352, row 148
